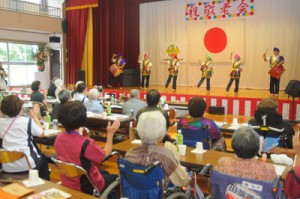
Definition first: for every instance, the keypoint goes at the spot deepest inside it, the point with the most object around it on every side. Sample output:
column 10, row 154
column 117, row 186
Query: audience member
column 153, row 97
column 59, row 84
column 93, row 104
column 268, row 107
column 3, row 75
column 151, row 129
column 245, row 144
column 52, row 88
column 85, row 152
column 196, row 121
column 74, row 90
column 37, row 96
column 292, row 183
column 134, row 104
column 80, row 93
column 16, row 132
column 63, row 96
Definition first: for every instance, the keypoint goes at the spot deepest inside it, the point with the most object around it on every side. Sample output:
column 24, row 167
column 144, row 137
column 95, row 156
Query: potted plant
column 41, row 56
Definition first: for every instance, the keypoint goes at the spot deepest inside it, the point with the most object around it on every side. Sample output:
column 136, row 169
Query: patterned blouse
column 246, row 168
column 199, row 123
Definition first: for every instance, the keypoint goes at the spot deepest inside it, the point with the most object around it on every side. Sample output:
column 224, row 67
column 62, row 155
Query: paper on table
column 52, row 193
column 279, row 169
column 219, row 124
column 235, row 127
column 38, row 182
column 198, row 152
column 51, row 132
column 136, row 142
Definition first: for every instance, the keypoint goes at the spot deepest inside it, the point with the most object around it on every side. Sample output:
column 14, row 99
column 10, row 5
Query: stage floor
column 218, row 92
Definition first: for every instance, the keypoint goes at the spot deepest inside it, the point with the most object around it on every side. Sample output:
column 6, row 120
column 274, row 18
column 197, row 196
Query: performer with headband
column 145, row 70
column 116, row 69
column 235, row 74
column 207, row 71
column 173, row 70
column 276, row 71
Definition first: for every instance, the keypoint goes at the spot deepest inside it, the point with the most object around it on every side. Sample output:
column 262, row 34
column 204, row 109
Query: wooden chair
column 7, row 156
column 72, row 170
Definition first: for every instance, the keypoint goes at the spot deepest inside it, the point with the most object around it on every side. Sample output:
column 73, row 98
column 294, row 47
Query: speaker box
column 54, row 39
column 220, row 110
column 64, row 25
column 293, row 88
column 81, row 76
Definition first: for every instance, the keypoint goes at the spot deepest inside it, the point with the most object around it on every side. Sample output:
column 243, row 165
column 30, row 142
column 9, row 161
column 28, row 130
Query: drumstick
column 266, row 51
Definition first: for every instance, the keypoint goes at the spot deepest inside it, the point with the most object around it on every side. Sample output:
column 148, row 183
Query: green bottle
column 48, row 118
column 179, row 137
column 108, row 109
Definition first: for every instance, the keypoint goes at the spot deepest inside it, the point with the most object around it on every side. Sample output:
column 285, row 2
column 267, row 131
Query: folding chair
column 144, row 182
column 8, row 156
column 192, row 136
column 227, row 186
column 72, row 171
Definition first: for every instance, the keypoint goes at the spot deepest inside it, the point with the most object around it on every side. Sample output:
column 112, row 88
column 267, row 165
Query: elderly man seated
column 93, row 104
column 134, row 104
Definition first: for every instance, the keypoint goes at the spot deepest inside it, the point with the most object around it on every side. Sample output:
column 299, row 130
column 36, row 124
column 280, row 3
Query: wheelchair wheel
column 177, row 195
column 110, row 188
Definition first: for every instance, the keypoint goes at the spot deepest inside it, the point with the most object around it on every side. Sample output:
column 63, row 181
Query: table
column 190, row 160
column 75, row 194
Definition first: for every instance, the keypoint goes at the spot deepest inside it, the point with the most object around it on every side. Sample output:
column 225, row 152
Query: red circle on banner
column 215, row 40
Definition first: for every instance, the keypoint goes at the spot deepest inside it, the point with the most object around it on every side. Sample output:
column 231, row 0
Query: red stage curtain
column 77, row 22
column 116, row 30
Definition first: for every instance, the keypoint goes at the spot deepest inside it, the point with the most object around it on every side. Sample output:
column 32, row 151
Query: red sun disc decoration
column 215, row 40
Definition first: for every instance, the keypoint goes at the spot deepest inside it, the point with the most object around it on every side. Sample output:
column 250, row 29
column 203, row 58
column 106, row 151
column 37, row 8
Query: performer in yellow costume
column 235, row 74
column 145, row 70
column 173, row 70
column 207, row 71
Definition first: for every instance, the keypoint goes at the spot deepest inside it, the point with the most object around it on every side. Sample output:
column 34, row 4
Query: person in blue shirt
column 93, row 104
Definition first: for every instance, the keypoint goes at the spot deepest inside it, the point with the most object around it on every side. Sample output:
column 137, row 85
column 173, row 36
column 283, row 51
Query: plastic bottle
column 48, row 118
column 108, row 109
column 179, row 137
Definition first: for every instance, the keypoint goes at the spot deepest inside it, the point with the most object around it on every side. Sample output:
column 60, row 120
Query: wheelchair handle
column 110, row 155
column 205, row 169
column 276, row 184
column 148, row 169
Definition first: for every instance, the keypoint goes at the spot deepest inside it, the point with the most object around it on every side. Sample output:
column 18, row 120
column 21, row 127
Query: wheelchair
column 145, row 182
column 225, row 186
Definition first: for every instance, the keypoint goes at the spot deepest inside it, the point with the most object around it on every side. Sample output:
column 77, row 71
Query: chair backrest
column 136, row 184
column 72, row 171
column 192, row 136
column 224, row 185
column 7, row 156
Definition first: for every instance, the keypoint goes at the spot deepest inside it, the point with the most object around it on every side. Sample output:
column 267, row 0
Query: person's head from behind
column 93, row 94
column 53, row 80
column 72, row 115
column 153, row 97
column 11, row 105
column 268, row 104
column 134, row 93
column 59, row 83
column 35, row 86
column 245, row 142
column 64, row 96
column 151, row 127
column 196, row 107
column 81, row 88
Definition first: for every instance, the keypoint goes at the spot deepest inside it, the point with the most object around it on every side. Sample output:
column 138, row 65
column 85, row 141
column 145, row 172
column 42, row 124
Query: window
column 18, row 62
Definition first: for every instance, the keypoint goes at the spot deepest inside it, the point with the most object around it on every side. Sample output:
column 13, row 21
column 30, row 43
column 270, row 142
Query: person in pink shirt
column 71, row 146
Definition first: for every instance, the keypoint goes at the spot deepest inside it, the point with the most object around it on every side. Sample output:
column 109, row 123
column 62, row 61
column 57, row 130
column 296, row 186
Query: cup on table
column 166, row 107
column 46, row 125
column 104, row 115
column 182, row 149
column 235, row 121
column 199, row 146
column 33, row 176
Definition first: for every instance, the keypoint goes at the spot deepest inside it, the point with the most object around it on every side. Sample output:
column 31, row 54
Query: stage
column 243, row 103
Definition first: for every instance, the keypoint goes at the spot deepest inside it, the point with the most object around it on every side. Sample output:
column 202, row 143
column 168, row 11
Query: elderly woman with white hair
column 93, row 104
column 152, row 129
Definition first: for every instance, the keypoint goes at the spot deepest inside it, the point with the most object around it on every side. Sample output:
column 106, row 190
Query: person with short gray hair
column 134, row 104
column 245, row 144
column 63, row 96
column 152, row 129
column 93, row 104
